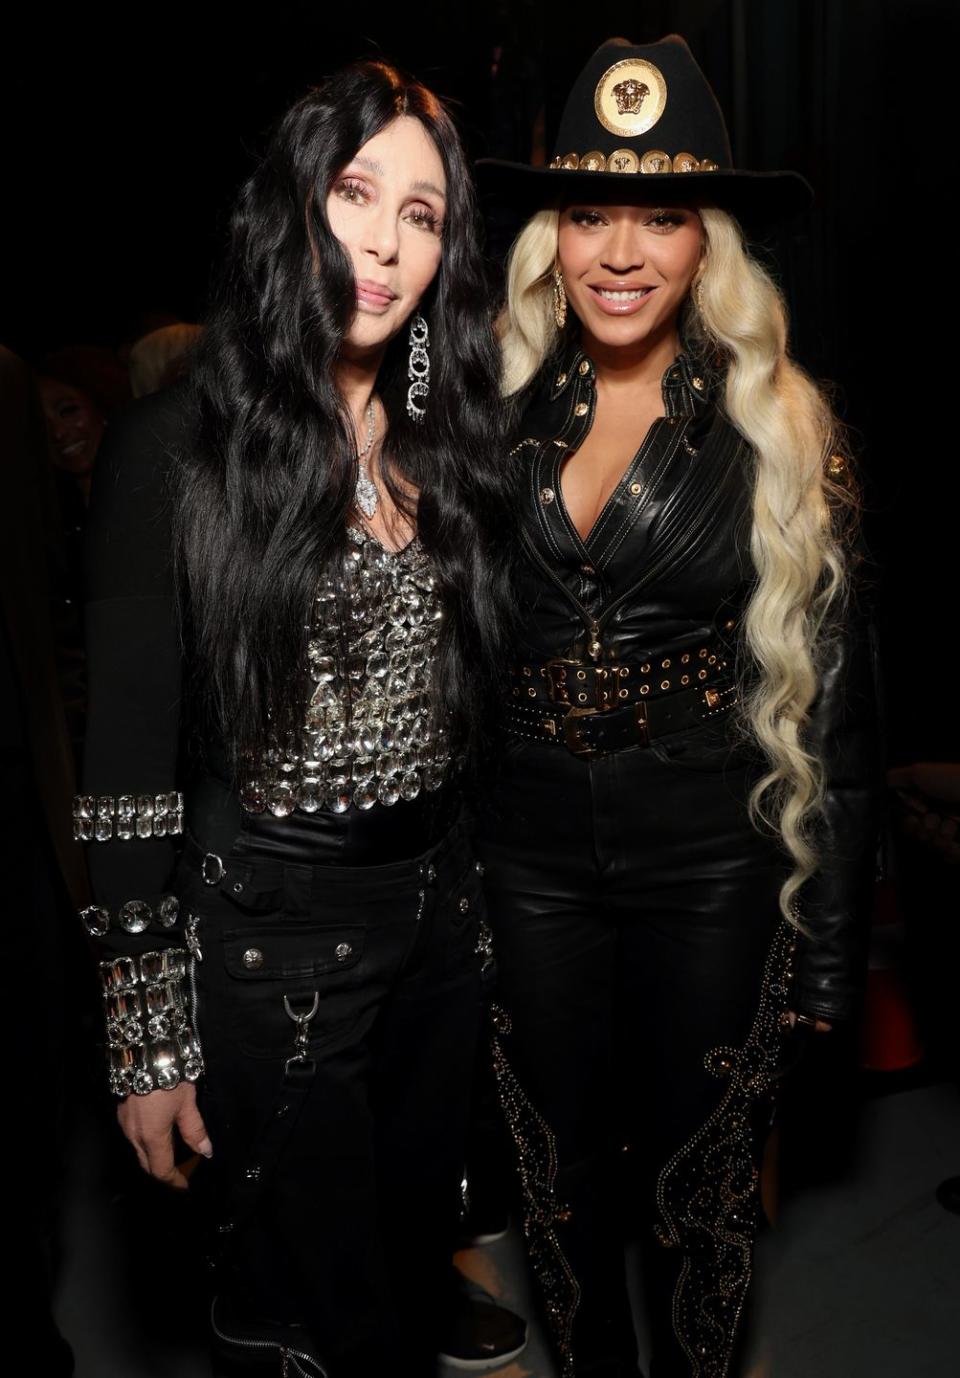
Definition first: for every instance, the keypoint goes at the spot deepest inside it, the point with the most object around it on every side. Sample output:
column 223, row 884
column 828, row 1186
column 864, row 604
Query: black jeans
column 639, row 1032
column 334, row 1183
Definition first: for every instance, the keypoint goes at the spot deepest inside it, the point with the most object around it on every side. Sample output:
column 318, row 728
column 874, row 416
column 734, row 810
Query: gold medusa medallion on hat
column 630, row 97
column 639, row 118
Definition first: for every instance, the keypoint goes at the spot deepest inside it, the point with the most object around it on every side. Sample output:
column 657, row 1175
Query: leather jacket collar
column 561, row 401
column 688, row 386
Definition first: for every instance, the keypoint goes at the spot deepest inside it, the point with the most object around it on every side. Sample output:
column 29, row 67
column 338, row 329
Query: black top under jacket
column 668, row 564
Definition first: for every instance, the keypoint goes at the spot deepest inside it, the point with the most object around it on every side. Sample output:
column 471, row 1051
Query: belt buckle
column 557, row 686
column 599, row 677
column 212, row 869
column 571, row 731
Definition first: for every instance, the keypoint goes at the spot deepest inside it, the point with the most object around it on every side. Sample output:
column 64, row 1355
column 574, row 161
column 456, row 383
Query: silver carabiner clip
column 301, row 1041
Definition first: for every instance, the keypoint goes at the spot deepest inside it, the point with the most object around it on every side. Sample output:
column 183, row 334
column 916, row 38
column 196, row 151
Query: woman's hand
column 818, row 1025
column 147, row 1121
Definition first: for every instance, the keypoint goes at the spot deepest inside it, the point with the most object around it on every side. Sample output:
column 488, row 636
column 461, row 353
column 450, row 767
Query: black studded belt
column 592, row 709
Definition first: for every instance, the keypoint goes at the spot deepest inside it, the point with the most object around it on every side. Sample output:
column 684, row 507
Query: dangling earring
column 696, row 292
column 418, row 369
column 559, row 299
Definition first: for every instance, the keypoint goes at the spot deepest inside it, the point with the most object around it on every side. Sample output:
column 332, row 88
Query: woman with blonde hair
column 678, row 838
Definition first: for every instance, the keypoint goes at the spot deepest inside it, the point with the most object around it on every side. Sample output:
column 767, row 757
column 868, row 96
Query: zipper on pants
column 290, row 1359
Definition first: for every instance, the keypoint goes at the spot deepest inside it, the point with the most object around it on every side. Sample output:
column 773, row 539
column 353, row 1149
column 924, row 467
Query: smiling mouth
column 632, row 294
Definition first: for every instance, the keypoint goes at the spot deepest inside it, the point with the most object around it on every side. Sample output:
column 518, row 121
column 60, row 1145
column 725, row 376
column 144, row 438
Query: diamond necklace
column 366, row 490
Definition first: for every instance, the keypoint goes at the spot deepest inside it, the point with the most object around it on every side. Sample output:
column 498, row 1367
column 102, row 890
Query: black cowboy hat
column 647, row 111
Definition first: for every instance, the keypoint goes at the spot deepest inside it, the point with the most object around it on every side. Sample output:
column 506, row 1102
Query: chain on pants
column 369, row 978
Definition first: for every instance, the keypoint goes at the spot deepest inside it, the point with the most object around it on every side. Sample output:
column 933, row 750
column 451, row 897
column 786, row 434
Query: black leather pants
column 334, row 1184
column 638, row 1035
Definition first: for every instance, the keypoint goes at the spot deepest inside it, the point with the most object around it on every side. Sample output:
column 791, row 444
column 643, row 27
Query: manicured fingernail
column 206, row 1148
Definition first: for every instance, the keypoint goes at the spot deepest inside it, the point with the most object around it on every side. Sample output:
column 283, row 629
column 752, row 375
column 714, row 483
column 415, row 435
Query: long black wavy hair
column 262, row 500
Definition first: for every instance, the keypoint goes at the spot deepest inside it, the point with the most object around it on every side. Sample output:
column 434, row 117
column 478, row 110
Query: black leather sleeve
column 835, row 904
column 134, row 654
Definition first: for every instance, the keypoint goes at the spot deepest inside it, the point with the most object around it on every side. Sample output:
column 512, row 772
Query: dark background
column 129, row 130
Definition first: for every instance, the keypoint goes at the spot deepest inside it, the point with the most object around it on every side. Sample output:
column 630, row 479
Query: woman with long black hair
column 682, row 828
column 295, row 586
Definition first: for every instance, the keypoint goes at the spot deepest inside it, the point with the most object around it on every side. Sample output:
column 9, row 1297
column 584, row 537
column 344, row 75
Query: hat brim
column 759, row 200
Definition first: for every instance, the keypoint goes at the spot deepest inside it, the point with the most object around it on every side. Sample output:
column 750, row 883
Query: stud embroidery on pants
column 537, row 1155
column 708, row 1193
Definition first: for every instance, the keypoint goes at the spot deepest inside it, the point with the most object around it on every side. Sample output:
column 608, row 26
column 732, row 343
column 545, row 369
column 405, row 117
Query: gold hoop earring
column 559, row 299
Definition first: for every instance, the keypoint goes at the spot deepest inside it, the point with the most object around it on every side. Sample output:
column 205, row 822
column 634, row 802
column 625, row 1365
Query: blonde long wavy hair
column 802, row 519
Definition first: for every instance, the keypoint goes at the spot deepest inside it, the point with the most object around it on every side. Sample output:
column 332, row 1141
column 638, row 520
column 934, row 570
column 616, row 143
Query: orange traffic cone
column 889, row 1040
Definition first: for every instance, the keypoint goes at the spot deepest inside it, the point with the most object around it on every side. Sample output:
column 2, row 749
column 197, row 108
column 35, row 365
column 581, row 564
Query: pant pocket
column 284, row 987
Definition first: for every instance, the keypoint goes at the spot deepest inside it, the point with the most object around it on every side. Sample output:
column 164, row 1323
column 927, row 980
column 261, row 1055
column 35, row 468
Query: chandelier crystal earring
column 366, row 494
column 418, row 369
column 559, row 299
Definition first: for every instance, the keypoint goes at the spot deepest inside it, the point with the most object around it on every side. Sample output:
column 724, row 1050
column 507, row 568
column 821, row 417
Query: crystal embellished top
column 371, row 732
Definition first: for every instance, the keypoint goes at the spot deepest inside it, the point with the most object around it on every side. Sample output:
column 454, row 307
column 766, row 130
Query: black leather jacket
column 668, row 564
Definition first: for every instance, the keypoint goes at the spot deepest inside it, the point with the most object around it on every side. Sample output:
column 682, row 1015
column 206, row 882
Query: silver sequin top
column 371, row 734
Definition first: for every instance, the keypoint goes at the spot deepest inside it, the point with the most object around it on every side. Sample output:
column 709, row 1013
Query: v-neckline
column 584, row 542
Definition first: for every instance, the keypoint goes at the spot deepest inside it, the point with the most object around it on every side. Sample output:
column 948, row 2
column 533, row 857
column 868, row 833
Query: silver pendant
column 366, row 492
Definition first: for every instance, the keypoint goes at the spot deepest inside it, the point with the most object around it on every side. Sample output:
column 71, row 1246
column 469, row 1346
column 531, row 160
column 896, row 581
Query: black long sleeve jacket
column 668, row 564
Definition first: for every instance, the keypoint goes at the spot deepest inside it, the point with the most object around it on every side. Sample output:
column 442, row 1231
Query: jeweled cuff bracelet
column 102, row 817
column 151, row 1043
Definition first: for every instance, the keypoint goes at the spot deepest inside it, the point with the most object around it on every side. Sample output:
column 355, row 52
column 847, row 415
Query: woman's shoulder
column 129, row 501
column 144, row 437
column 533, row 412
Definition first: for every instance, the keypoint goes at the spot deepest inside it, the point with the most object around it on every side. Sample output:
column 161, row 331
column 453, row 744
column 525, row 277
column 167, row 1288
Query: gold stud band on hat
column 629, row 99
column 626, row 160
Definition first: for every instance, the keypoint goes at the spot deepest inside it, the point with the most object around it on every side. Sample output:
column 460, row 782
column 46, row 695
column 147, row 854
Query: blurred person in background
column 158, row 359
column 40, row 721
column 80, row 388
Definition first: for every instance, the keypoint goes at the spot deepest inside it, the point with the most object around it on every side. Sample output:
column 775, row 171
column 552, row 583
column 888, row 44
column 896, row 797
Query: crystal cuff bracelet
column 151, row 1045
column 133, row 916
column 101, row 817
